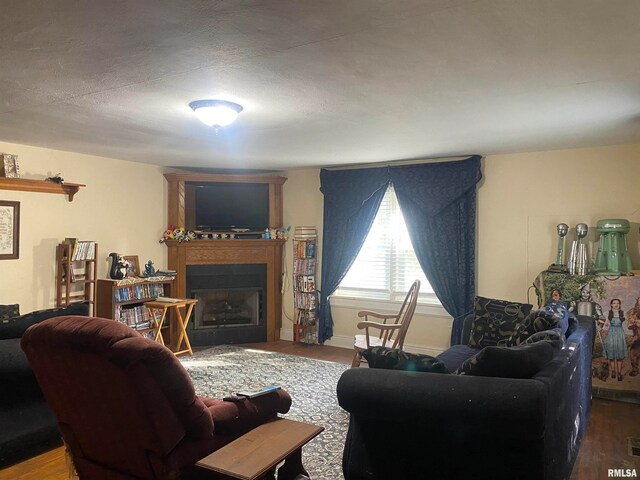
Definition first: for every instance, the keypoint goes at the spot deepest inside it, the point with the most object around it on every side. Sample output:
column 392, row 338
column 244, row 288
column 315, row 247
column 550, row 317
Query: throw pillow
column 522, row 361
column 495, row 321
column 16, row 326
column 9, row 311
column 391, row 359
column 536, row 321
column 559, row 311
column 555, row 336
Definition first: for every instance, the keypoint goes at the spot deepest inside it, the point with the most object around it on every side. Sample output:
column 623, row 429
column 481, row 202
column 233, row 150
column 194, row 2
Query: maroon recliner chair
column 125, row 406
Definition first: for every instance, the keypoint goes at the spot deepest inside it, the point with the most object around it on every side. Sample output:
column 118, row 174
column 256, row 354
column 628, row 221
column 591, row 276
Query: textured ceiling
column 322, row 82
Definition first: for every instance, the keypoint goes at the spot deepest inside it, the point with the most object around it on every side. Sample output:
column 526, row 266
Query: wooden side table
column 255, row 455
column 158, row 311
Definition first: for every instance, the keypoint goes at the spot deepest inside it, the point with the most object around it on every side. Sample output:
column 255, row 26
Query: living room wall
column 521, row 199
column 122, row 207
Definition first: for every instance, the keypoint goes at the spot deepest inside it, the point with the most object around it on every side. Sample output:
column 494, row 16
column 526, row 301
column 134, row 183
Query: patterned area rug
column 225, row 369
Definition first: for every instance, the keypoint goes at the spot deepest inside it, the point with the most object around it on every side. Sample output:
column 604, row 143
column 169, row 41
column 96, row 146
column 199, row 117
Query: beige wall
column 122, row 207
column 303, row 206
column 524, row 196
column 521, row 199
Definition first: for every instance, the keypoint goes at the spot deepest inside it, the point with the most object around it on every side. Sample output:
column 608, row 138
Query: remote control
column 233, row 398
column 257, row 393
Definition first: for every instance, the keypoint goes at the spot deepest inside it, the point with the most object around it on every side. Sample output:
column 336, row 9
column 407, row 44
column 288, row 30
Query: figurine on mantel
column 149, row 271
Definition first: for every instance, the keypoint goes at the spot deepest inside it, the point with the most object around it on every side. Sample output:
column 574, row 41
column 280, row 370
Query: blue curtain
column 438, row 202
column 351, row 202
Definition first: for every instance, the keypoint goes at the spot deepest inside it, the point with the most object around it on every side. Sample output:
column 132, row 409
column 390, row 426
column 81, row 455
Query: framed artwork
column 133, row 270
column 9, row 165
column 9, row 230
column 614, row 304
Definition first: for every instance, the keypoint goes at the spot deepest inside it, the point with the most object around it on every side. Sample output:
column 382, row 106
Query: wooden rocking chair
column 391, row 334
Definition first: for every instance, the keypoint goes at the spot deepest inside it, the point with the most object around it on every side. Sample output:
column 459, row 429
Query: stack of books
column 81, row 249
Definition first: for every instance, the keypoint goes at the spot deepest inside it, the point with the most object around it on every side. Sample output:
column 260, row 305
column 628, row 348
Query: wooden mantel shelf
column 227, row 242
column 26, row 185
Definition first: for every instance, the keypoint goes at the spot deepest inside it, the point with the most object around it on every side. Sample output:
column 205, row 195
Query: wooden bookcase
column 76, row 275
column 305, row 296
column 123, row 300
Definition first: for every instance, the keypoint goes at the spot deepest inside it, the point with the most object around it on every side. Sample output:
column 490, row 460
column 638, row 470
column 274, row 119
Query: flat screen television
column 232, row 206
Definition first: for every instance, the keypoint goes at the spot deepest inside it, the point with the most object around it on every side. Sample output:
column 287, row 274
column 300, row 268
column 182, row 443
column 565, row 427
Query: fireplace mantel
column 228, row 251
column 233, row 251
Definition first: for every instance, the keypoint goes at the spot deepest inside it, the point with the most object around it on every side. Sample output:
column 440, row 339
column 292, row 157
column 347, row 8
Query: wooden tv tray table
column 186, row 305
column 255, row 455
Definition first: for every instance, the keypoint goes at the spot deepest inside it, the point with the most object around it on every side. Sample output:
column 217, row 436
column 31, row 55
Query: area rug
column 225, row 369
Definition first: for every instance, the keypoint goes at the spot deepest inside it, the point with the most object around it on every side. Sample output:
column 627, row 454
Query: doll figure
column 615, row 347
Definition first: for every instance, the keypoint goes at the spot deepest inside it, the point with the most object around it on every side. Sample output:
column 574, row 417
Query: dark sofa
column 27, row 425
column 407, row 424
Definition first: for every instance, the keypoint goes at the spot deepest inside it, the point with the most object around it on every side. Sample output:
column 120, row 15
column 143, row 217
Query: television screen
column 227, row 206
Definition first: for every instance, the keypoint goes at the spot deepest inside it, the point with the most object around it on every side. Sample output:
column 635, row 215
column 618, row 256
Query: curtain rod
column 395, row 163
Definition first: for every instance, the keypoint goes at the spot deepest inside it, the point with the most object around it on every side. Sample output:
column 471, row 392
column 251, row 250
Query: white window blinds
column 386, row 265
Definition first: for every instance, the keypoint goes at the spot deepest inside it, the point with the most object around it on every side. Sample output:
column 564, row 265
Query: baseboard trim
column 343, row 341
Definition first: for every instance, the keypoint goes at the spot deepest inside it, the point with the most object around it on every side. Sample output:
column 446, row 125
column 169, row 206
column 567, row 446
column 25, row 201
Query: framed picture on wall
column 133, row 270
column 9, row 230
column 9, row 166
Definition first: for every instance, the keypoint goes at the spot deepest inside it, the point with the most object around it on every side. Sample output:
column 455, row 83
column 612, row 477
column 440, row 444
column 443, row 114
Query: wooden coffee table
column 256, row 454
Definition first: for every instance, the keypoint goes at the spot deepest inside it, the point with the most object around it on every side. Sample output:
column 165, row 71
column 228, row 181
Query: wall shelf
column 43, row 186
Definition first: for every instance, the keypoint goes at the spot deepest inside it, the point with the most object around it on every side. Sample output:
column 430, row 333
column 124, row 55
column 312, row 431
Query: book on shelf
column 81, row 249
column 65, row 272
column 144, row 291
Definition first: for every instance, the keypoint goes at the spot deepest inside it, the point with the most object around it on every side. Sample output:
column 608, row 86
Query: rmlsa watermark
column 622, row 473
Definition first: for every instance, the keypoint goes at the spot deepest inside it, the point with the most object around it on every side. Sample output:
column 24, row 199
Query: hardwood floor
column 604, row 446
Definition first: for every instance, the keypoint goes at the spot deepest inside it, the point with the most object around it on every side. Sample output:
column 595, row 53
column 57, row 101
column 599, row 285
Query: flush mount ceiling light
column 216, row 113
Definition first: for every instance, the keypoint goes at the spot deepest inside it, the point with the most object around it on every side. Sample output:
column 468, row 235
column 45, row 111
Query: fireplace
column 231, row 303
column 227, row 307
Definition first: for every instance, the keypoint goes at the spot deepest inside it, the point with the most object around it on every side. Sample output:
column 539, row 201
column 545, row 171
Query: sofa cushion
column 393, row 359
column 9, row 311
column 16, row 326
column 453, row 356
column 555, row 336
column 13, row 361
column 522, row 361
column 495, row 321
column 536, row 321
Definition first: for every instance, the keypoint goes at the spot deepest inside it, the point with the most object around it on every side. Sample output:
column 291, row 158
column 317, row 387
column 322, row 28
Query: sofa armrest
column 509, row 407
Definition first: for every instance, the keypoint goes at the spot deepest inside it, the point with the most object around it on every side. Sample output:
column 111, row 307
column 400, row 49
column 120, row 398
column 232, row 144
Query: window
column 386, row 265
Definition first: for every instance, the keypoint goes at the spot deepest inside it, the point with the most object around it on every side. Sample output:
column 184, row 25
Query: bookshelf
column 76, row 273
column 305, row 296
column 123, row 300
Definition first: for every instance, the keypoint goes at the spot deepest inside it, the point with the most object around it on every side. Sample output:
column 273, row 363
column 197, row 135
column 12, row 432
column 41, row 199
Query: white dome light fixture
column 216, row 113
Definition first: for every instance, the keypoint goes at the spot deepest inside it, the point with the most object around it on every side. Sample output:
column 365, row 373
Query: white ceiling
column 322, row 82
